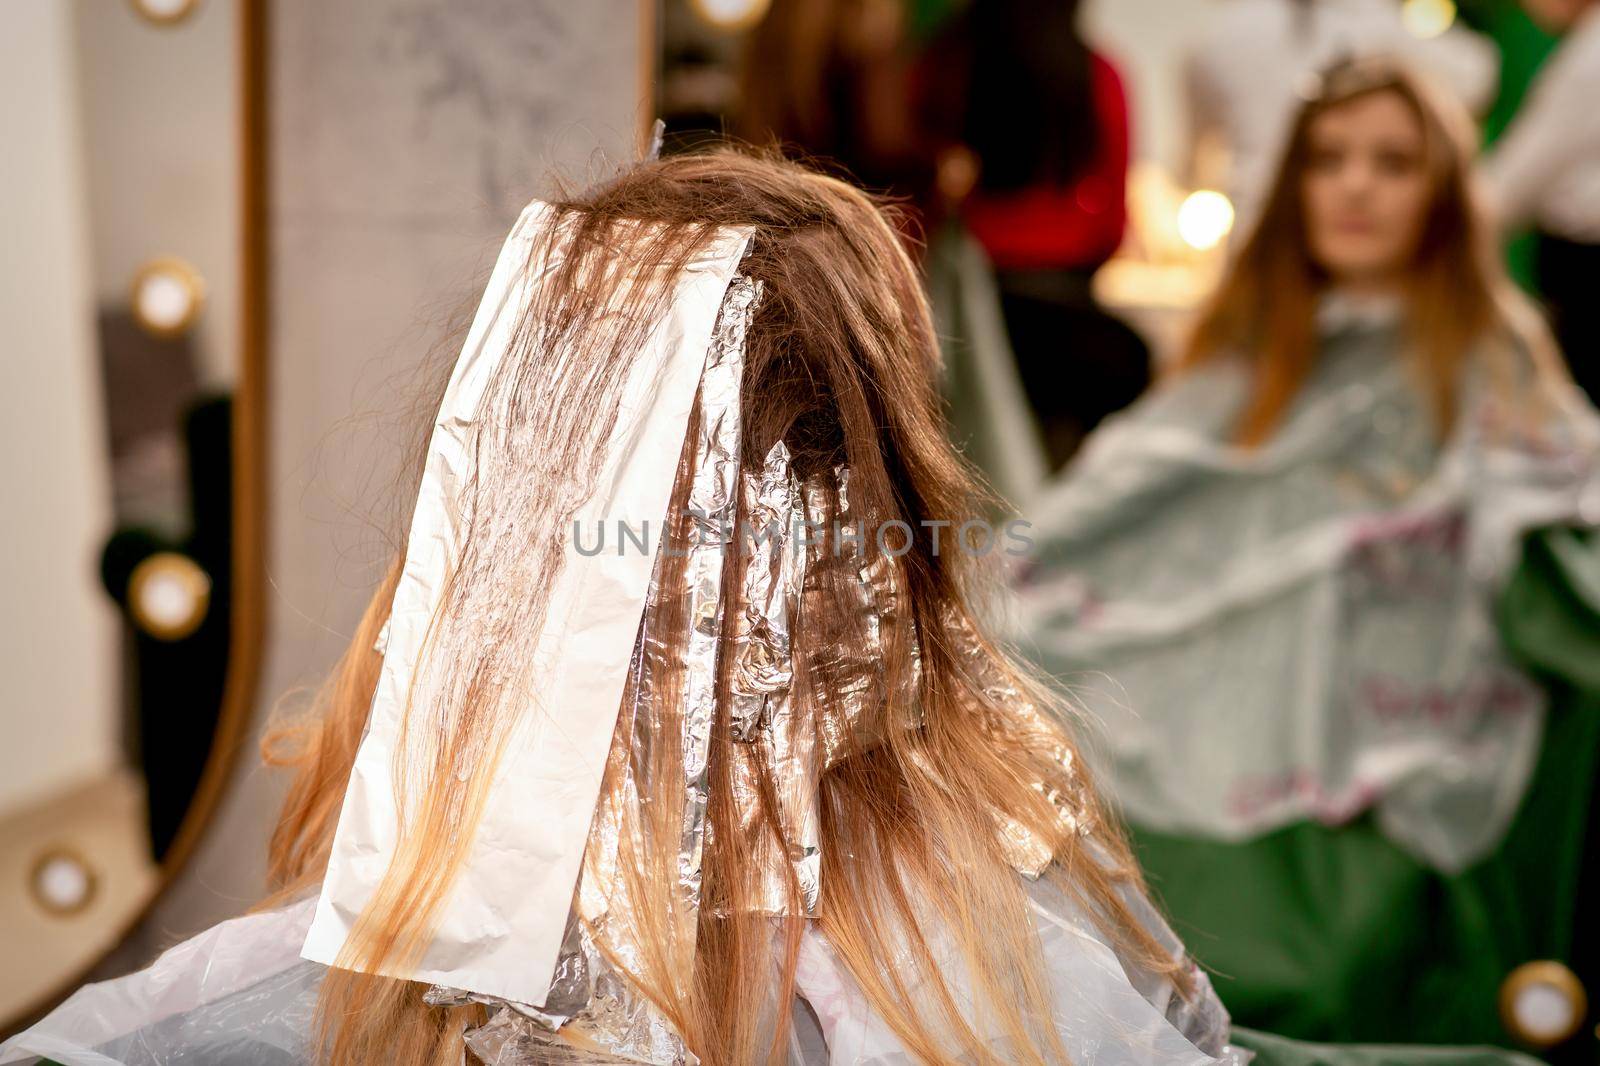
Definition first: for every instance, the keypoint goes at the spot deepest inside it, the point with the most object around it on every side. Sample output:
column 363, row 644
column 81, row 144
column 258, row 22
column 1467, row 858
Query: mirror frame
column 247, row 615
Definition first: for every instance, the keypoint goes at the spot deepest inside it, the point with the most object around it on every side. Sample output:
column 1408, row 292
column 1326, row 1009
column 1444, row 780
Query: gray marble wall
column 406, row 137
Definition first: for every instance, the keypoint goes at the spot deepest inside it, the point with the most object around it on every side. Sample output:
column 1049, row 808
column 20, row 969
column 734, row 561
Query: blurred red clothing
column 1078, row 224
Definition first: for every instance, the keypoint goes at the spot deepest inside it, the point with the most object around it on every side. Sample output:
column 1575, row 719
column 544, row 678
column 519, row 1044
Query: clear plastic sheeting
column 1106, row 1013
column 237, row 993
column 1303, row 631
column 240, row 995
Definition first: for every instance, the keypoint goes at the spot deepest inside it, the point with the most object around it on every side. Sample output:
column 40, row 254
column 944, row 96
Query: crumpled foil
column 817, row 553
column 592, row 1016
column 763, row 670
column 808, row 546
column 1012, row 711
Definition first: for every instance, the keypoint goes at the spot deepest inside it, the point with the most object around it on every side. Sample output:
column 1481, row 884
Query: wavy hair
column 842, row 365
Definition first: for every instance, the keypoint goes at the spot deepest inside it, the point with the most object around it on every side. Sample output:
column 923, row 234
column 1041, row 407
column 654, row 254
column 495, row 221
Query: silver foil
column 763, row 694
column 1010, row 709
column 852, row 683
column 808, row 549
column 817, row 556
column 593, row 1016
column 714, row 506
column 763, row 668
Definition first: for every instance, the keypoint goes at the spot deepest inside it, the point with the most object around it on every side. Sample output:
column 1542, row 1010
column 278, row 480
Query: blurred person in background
column 1243, row 79
column 1330, row 590
column 828, row 80
column 1545, row 170
column 1029, row 126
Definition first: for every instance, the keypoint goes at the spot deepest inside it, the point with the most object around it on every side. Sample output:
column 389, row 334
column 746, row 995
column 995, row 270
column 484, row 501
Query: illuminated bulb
column 731, row 14
column 1428, row 18
column 164, row 10
column 164, row 301
column 1204, row 219
column 167, row 294
column 1542, row 1003
column 62, row 882
column 1543, row 1012
column 168, row 595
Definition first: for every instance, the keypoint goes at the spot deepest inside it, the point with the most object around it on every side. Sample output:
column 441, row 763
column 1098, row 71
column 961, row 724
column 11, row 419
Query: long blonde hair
column 841, row 365
column 1457, row 292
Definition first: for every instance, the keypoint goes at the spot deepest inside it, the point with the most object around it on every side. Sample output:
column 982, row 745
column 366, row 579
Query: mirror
column 131, row 303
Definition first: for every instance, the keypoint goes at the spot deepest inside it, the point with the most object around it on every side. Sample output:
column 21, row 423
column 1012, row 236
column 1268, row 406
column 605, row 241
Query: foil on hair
column 592, row 1016
column 817, row 566
column 713, row 505
column 1008, row 709
column 762, row 665
column 763, row 697
column 809, row 558
column 592, row 1012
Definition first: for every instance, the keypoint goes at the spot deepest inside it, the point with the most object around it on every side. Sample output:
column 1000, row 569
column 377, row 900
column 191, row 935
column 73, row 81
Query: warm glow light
column 1543, row 1003
column 165, row 11
column 62, row 882
column 168, row 594
column 1428, row 18
column 1204, row 219
column 167, row 295
column 731, row 14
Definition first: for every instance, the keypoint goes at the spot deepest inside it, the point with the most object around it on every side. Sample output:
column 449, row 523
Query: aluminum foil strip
column 592, row 1016
column 821, row 554
column 1014, row 715
column 589, row 1002
column 714, row 506
column 849, row 668
column 713, row 471
column 762, row 690
column 763, row 668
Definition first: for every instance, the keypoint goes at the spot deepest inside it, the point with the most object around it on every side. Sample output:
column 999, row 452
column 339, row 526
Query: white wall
column 58, row 629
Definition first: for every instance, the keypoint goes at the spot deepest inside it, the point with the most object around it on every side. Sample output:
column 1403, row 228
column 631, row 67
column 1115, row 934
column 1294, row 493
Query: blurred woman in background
column 1030, row 128
column 1282, row 567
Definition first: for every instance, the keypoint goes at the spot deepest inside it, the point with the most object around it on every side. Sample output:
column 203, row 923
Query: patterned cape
column 1303, row 631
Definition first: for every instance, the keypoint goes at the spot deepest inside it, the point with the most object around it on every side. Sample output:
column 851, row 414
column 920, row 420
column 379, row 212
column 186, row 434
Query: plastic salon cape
column 241, row 994
column 1353, row 783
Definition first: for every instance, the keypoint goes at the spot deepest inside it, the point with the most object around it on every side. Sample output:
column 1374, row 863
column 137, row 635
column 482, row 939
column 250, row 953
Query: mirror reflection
column 121, row 300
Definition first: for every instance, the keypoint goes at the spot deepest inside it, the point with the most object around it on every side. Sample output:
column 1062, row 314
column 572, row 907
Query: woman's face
column 1365, row 188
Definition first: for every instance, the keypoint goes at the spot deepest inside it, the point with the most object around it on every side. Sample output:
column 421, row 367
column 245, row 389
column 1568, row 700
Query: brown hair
column 841, row 364
column 1457, row 293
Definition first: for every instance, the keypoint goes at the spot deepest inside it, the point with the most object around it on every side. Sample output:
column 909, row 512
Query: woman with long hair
column 1035, row 123
column 827, row 819
column 1275, row 580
